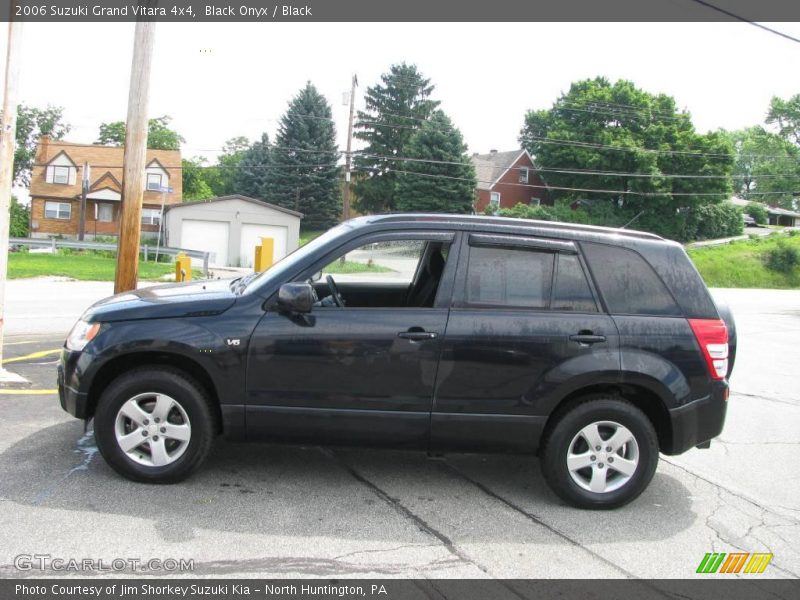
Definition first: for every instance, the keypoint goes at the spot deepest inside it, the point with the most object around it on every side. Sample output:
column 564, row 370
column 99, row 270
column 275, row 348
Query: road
column 273, row 511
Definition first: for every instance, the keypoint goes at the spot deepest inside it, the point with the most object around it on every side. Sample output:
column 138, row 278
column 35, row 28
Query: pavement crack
column 535, row 519
column 380, row 550
column 403, row 510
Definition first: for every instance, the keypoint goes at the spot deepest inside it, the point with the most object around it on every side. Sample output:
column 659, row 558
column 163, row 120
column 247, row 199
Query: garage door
column 206, row 236
column 251, row 237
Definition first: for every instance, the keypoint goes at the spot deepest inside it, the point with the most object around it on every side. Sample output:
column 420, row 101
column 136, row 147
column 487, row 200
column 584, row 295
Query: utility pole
column 130, row 223
column 7, row 139
column 82, row 212
column 348, row 154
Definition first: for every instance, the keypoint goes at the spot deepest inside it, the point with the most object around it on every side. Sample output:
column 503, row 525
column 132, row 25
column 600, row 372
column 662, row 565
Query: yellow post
column 264, row 254
column 183, row 268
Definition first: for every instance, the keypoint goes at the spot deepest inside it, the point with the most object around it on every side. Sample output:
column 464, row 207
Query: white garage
column 231, row 227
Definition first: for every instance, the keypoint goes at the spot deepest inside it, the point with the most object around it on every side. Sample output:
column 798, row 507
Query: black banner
column 753, row 588
column 188, row 11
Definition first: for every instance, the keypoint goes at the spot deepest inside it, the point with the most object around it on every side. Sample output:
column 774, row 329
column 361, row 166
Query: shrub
column 783, row 258
column 758, row 211
column 710, row 221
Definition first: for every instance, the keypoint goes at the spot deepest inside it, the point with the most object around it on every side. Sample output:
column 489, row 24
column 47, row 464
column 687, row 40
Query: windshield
column 287, row 264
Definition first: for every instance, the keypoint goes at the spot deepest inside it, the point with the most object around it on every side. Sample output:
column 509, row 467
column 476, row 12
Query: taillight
column 712, row 335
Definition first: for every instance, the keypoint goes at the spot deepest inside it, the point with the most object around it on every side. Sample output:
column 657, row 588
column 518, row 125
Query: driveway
column 274, row 511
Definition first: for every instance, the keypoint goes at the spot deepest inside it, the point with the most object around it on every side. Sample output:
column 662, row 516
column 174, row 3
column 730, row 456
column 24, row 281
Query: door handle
column 416, row 334
column 587, row 338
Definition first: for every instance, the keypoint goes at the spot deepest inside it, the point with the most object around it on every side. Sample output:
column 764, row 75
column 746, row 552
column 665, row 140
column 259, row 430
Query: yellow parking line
column 18, row 343
column 32, row 355
column 7, row 392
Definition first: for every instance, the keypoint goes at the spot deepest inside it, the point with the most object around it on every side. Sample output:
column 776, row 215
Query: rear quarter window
column 627, row 283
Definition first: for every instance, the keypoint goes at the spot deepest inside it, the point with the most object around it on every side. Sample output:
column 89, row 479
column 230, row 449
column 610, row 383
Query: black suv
column 595, row 348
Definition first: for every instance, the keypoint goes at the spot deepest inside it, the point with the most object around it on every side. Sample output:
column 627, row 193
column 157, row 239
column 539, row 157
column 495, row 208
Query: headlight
column 82, row 333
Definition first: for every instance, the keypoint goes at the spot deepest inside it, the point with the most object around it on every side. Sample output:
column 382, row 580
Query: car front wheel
column 154, row 425
column 600, row 454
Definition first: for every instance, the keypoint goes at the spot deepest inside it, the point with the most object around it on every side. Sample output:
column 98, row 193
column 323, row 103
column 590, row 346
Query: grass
column 85, row 267
column 741, row 264
column 307, row 236
column 354, row 267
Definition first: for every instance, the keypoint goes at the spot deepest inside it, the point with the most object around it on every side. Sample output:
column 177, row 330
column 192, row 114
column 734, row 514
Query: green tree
column 765, row 164
column 195, row 186
column 253, row 168
column 304, row 175
column 32, row 124
column 20, row 216
column 223, row 176
column 446, row 186
column 395, row 108
column 159, row 135
column 633, row 141
column 786, row 115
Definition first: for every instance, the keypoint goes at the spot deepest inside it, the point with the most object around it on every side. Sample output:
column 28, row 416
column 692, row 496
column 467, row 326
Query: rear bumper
column 699, row 421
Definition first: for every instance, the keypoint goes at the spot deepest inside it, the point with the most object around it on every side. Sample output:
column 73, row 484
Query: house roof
column 255, row 201
column 491, row 167
column 103, row 159
column 773, row 210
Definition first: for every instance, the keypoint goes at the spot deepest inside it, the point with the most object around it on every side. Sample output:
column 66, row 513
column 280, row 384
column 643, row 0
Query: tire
column 621, row 475
column 171, row 447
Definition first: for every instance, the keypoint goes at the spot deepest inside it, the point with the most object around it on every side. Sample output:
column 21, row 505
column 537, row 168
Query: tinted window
column 572, row 290
column 509, row 277
column 628, row 284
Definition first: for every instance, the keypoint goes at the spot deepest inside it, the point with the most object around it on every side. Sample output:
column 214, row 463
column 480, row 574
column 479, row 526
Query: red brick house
column 57, row 185
column 507, row 178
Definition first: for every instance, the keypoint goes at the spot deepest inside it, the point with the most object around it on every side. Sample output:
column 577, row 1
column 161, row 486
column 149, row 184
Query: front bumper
column 69, row 395
column 699, row 421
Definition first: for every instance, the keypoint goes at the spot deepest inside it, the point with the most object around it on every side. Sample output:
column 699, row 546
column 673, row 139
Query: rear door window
column 572, row 291
column 627, row 283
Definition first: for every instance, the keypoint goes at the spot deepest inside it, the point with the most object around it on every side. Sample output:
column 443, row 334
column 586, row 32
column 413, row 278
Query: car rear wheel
column 601, row 453
column 154, row 425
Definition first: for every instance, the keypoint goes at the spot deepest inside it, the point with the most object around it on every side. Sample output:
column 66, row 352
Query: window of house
column 494, row 199
column 518, row 277
column 151, row 216
column 523, row 175
column 572, row 292
column 154, row 182
column 61, row 174
column 536, row 201
column 105, row 213
column 57, row 210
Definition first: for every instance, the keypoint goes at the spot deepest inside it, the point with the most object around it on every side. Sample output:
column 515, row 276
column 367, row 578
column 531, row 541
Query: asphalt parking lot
column 273, row 511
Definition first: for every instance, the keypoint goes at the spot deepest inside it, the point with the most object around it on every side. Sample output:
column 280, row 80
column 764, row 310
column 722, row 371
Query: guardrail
column 144, row 249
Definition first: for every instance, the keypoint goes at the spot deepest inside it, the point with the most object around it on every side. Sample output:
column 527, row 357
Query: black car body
column 506, row 326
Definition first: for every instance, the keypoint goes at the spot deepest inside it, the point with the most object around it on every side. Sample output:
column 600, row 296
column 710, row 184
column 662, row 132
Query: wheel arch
column 643, row 398
column 157, row 359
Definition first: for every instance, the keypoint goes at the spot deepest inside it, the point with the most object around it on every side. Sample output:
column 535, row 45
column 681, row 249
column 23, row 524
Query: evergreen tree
column 304, row 175
column 395, row 109
column 254, row 168
column 447, row 186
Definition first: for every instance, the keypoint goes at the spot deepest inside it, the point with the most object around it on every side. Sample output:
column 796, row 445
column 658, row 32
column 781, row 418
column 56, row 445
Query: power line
column 577, row 171
column 574, row 189
column 746, row 20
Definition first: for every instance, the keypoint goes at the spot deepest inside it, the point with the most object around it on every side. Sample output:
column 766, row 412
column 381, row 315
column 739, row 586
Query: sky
column 218, row 81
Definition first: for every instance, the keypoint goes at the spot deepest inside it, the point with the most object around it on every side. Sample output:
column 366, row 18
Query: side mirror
column 296, row 298
column 316, row 276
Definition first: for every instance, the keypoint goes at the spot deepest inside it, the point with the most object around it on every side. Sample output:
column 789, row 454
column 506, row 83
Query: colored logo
column 734, row 562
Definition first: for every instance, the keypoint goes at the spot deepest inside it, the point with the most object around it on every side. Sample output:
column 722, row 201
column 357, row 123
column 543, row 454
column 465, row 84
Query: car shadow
column 343, row 492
